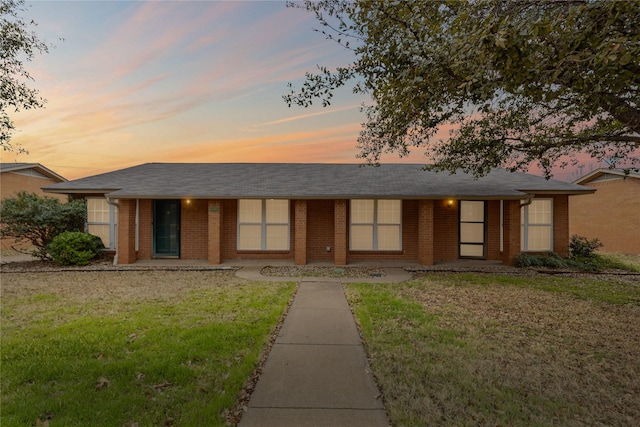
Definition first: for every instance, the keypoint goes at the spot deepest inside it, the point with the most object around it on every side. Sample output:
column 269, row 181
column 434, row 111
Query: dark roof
column 37, row 167
column 307, row 181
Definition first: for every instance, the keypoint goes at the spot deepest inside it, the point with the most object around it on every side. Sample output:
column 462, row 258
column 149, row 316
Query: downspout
column 117, row 205
column 527, row 201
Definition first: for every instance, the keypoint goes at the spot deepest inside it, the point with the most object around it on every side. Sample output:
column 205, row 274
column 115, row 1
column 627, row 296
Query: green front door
column 166, row 228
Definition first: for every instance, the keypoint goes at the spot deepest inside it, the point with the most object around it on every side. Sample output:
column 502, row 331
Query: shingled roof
column 307, row 181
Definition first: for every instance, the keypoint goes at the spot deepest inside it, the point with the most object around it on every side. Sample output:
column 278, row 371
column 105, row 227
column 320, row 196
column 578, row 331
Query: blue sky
column 174, row 81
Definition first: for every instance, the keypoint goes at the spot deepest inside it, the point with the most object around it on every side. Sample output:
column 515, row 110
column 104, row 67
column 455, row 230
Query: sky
column 131, row 82
column 180, row 81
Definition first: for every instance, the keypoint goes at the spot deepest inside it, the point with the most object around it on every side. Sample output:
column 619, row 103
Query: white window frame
column 264, row 226
column 375, row 225
column 112, row 223
column 526, row 225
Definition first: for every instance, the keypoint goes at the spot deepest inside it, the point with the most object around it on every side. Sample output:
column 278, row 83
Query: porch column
column 561, row 225
column 214, row 230
column 126, row 231
column 300, row 244
column 340, row 232
column 511, row 231
column 425, row 232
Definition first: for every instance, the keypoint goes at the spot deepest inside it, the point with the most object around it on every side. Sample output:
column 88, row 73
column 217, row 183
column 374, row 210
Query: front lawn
column 131, row 348
column 477, row 349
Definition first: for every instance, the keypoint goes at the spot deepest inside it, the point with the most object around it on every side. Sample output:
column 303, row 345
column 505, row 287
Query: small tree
column 29, row 217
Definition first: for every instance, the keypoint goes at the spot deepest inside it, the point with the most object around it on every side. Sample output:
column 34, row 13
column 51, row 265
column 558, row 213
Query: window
column 472, row 228
column 376, row 225
column 102, row 221
column 536, row 222
column 263, row 225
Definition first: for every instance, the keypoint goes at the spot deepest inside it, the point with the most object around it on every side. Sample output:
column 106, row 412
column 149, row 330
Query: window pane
column 277, row 211
column 471, row 250
column 250, row 237
column 250, row 211
column 389, row 237
column 540, row 212
column 98, row 210
column 472, row 232
column 102, row 231
column 472, row 211
column 389, row 211
column 362, row 237
column 277, row 237
column 539, row 238
column 361, row 211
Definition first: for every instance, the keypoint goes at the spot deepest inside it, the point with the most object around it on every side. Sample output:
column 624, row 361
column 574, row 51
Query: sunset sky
column 197, row 81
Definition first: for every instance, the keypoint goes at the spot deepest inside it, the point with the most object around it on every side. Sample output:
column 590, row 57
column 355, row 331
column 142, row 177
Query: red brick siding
column 611, row 214
column 320, row 220
column 425, row 232
column 445, row 231
column 214, row 218
column 194, row 229
column 126, row 232
column 145, row 229
column 300, row 241
column 561, row 225
column 493, row 230
column 511, row 241
column 341, row 231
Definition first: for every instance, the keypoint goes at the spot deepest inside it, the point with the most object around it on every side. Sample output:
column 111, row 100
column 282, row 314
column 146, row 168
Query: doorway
column 166, row 228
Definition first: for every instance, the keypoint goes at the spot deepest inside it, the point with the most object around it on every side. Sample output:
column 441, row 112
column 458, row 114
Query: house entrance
column 472, row 229
column 166, row 228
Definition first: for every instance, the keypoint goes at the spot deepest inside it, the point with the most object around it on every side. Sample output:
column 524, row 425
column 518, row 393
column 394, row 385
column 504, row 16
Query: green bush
column 549, row 260
column 581, row 247
column 29, row 217
column 74, row 248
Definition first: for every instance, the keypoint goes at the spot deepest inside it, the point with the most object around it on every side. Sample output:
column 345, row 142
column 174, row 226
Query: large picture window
column 102, row 221
column 263, row 225
column 376, row 225
column 536, row 222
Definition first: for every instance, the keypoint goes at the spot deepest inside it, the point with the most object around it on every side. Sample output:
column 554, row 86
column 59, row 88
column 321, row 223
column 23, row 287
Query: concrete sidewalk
column 317, row 372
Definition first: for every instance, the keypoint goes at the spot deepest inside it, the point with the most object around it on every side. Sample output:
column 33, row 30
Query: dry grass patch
column 489, row 350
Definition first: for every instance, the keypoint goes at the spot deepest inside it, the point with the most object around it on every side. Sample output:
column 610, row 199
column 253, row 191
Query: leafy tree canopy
column 29, row 217
column 18, row 43
column 518, row 82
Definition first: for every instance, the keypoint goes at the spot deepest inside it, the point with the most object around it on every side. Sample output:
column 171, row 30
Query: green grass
column 170, row 358
column 480, row 349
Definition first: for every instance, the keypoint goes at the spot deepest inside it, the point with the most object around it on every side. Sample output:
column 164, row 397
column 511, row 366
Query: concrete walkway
column 317, row 372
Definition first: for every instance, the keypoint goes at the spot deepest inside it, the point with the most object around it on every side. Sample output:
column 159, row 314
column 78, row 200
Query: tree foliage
column 516, row 81
column 18, row 43
column 29, row 217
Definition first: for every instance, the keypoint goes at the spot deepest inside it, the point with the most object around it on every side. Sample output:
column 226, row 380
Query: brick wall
column 611, row 214
column 145, row 229
column 126, row 231
column 445, row 231
column 320, row 217
column 493, row 230
column 561, row 225
column 194, row 235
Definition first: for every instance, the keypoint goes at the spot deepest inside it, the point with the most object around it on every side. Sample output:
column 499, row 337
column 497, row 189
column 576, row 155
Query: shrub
column 74, row 248
column 549, row 260
column 581, row 247
column 29, row 217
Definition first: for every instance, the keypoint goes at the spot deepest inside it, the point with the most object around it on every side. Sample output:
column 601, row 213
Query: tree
column 29, row 217
column 517, row 81
column 17, row 44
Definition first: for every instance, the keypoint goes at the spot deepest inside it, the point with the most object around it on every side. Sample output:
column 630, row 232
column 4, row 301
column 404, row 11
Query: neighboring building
column 29, row 177
column 324, row 212
column 612, row 213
